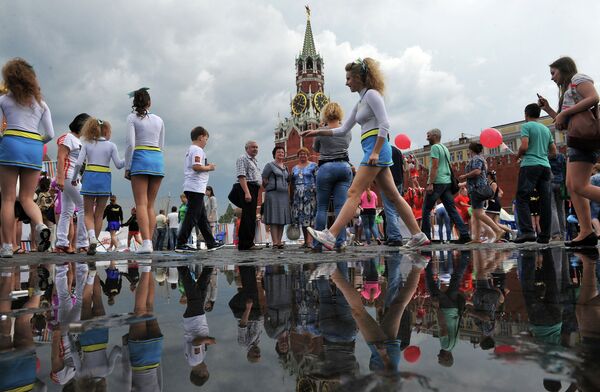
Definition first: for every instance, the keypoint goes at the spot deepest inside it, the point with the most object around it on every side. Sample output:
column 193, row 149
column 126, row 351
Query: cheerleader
column 21, row 150
column 144, row 163
column 97, row 152
column 364, row 77
column 69, row 146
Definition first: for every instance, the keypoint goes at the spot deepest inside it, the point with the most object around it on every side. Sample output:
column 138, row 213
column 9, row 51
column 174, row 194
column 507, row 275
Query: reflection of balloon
column 490, row 138
column 504, row 349
column 412, row 354
column 402, row 141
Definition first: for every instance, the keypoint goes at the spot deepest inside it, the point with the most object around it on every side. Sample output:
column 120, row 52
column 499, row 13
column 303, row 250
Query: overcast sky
column 460, row 65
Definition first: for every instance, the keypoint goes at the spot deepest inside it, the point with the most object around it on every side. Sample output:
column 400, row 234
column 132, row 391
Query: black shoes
column 588, row 242
column 463, row 239
column 185, row 248
column 394, row 243
column 524, row 238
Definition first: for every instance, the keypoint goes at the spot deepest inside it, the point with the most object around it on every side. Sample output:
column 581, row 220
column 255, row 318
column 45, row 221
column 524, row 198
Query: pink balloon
column 490, row 138
column 402, row 141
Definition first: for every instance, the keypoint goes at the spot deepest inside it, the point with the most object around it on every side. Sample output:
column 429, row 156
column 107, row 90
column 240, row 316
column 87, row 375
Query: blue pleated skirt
column 385, row 155
column 21, row 152
column 95, row 184
column 147, row 163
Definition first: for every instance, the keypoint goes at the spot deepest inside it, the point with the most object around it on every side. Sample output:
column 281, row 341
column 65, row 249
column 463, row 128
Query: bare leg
column 98, row 213
column 364, row 177
column 578, row 183
column 391, row 320
column 28, row 182
column 8, row 185
column 88, row 208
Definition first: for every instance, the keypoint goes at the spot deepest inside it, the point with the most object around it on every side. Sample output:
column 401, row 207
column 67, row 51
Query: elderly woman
column 304, row 191
column 276, row 211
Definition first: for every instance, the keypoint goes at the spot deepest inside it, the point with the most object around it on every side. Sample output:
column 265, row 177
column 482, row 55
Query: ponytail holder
column 100, row 122
column 364, row 68
column 132, row 94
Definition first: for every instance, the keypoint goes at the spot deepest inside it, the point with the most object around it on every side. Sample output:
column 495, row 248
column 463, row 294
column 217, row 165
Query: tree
column 227, row 217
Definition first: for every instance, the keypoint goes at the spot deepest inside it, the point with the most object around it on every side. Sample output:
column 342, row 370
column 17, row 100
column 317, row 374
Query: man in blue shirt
column 536, row 145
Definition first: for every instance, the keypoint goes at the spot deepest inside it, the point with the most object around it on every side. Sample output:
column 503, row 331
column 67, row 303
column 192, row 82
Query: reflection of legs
column 391, row 320
column 588, row 311
column 366, row 324
column 6, row 282
column 92, row 299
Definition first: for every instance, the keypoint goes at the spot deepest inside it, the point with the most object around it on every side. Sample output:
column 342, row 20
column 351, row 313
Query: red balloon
column 412, row 354
column 402, row 141
column 504, row 349
column 45, row 150
column 490, row 138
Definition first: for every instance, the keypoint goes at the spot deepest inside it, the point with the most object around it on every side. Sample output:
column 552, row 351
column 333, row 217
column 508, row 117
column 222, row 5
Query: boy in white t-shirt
column 195, row 172
column 195, row 327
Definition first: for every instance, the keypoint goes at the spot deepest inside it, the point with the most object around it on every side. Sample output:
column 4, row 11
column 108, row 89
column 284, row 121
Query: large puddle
column 490, row 320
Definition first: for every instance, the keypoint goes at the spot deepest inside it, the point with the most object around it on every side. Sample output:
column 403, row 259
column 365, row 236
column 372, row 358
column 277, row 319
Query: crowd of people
column 469, row 202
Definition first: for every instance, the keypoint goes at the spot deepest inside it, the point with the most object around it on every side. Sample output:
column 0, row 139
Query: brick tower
column 307, row 102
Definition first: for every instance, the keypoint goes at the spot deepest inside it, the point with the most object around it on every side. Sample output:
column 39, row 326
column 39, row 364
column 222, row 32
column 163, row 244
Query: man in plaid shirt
column 249, row 177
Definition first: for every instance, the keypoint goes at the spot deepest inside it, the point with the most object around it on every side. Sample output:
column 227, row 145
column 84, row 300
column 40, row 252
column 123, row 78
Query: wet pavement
column 448, row 318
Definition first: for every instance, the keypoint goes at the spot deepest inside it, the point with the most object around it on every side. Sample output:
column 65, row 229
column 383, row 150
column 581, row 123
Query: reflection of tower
column 307, row 102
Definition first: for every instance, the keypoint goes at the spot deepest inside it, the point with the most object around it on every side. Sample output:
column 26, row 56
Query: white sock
column 91, row 276
column 7, row 246
column 92, row 235
column 147, row 243
column 145, row 268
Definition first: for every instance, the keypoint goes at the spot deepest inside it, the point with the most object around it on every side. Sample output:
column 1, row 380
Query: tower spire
column 308, row 49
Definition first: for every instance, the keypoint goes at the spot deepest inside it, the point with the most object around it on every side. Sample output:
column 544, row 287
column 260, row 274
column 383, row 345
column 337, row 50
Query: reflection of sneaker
column 417, row 240
column 324, row 237
column 323, row 270
column 6, row 252
column 42, row 233
column 417, row 259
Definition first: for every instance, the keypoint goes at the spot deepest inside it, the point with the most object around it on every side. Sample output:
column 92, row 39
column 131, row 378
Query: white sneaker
column 42, row 234
column 417, row 240
column 144, row 249
column 324, row 237
column 6, row 252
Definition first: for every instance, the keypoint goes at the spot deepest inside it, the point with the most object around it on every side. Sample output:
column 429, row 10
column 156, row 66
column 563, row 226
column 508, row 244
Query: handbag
column 293, row 232
column 454, row 188
column 583, row 131
column 484, row 192
column 236, row 195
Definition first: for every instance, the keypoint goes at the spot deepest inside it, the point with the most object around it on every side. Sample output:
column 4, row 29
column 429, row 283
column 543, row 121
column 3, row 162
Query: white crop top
column 27, row 118
column 147, row 131
column 369, row 112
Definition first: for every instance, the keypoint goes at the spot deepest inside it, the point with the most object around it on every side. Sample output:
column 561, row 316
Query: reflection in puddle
column 446, row 320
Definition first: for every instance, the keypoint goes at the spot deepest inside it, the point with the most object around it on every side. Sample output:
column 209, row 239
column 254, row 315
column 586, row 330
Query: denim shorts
column 577, row 155
column 476, row 202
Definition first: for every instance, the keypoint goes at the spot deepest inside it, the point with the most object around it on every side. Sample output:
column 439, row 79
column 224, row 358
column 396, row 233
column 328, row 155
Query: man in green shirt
column 535, row 174
column 439, row 187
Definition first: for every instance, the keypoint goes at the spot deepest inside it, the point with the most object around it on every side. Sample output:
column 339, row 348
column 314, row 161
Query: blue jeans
column 333, row 181
column 442, row 192
column 369, row 227
column 392, row 226
column 172, row 238
column 443, row 220
column 336, row 321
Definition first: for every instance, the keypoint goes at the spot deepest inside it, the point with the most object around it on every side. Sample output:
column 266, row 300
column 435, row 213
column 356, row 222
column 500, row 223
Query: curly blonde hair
column 19, row 78
column 368, row 71
column 332, row 112
column 93, row 129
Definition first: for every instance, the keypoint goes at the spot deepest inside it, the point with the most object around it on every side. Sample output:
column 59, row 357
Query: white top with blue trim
column 369, row 112
column 143, row 131
column 27, row 118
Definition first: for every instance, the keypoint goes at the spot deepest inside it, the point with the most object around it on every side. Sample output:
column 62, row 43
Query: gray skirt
column 276, row 210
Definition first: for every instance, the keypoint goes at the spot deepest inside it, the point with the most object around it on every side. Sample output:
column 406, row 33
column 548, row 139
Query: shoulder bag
column 454, row 188
column 583, row 131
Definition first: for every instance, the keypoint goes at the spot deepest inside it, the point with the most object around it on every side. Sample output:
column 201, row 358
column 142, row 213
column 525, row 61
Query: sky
column 460, row 66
